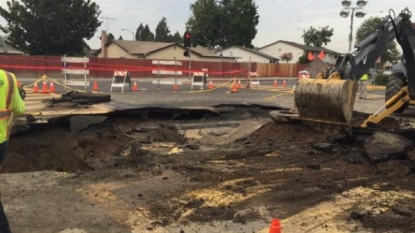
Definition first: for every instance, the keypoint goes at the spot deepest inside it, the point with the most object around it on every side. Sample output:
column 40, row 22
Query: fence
column 36, row 66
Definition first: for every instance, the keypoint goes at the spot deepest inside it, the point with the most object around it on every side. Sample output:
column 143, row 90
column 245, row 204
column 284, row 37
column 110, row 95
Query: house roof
column 7, row 47
column 204, row 52
column 143, row 48
column 303, row 47
column 254, row 51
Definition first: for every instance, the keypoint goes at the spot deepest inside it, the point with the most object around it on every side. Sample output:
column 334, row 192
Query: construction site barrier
column 161, row 72
column 67, row 70
column 253, row 80
column 121, row 79
column 199, row 79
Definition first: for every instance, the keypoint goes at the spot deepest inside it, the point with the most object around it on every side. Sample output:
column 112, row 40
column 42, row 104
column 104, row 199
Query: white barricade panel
column 199, row 79
column 254, row 79
column 121, row 79
column 167, row 82
column 171, row 63
column 167, row 72
column 79, row 83
column 69, row 73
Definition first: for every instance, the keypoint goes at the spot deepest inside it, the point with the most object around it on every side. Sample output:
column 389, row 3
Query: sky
column 278, row 19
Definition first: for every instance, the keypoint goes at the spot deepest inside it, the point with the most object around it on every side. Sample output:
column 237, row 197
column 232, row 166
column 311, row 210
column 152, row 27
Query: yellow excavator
column 326, row 102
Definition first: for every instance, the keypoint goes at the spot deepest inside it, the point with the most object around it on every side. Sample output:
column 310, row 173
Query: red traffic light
column 187, row 35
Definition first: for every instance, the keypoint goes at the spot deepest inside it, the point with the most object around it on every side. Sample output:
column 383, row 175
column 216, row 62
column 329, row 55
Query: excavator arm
column 328, row 100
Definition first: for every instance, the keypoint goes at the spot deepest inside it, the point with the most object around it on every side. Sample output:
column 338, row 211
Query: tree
column 50, row 27
column 110, row 37
column 223, row 23
column 146, row 34
column 162, row 31
column 243, row 18
column 176, row 38
column 120, row 38
column 303, row 59
column 317, row 38
column 286, row 57
column 367, row 28
column 138, row 32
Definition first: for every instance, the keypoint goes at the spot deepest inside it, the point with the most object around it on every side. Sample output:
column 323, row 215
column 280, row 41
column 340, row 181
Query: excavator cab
column 326, row 102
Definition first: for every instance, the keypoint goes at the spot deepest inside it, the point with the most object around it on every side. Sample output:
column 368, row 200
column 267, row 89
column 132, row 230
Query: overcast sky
column 278, row 19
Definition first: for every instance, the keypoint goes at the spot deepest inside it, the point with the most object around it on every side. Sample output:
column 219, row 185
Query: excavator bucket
column 326, row 104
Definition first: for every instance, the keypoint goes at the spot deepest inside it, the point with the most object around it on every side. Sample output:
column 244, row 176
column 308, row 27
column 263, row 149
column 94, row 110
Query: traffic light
column 186, row 53
column 187, row 40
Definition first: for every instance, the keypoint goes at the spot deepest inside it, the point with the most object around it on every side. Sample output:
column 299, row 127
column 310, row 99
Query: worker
column 11, row 103
column 363, row 86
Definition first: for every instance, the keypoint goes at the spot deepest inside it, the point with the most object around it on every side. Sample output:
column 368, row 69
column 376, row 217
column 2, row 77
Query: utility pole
column 106, row 18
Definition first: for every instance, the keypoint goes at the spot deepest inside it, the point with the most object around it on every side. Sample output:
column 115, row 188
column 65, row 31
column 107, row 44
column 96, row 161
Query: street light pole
column 359, row 14
column 351, row 30
column 132, row 33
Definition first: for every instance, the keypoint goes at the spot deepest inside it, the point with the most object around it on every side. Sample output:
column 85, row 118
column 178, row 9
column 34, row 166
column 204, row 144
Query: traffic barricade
column 199, row 79
column 69, row 73
column 163, row 69
column 121, row 79
column 253, row 80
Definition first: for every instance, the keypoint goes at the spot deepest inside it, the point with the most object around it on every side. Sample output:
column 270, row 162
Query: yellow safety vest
column 8, row 87
column 364, row 77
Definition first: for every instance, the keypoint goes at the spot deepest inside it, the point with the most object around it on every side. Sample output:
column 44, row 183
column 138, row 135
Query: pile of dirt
column 115, row 143
column 293, row 132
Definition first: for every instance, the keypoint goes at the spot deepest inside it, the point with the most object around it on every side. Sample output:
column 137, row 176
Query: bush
column 381, row 79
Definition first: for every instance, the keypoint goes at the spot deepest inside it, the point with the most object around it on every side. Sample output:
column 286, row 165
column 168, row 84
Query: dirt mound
column 115, row 143
column 275, row 132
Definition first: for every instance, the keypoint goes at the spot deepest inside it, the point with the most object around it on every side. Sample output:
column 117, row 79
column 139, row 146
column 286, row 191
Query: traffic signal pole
column 187, row 42
column 190, row 61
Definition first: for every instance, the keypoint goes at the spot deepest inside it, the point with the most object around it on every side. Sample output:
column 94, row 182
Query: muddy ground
column 228, row 170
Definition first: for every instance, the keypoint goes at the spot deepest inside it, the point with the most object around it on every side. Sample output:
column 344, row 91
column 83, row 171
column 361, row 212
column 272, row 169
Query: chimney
column 104, row 39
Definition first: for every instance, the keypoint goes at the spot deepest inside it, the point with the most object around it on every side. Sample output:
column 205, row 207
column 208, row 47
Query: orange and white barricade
column 199, row 79
column 166, row 73
column 121, row 79
column 67, row 70
column 253, row 79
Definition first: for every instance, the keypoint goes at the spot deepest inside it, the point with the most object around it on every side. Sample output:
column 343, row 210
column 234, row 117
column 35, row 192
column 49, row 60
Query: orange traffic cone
column 234, row 88
column 275, row 226
column 239, row 84
column 135, row 86
column 210, row 86
column 284, row 83
column 52, row 87
column 45, row 87
column 35, row 88
column 95, row 87
column 275, row 83
column 175, row 87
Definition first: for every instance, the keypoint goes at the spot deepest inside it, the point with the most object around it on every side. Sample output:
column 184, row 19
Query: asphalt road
column 150, row 94
column 147, row 84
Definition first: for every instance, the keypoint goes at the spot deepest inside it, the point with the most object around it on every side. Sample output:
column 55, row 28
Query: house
column 152, row 50
column 243, row 54
column 280, row 47
column 6, row 47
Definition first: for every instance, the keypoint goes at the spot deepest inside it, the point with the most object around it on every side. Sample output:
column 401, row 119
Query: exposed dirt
column 208, row 175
